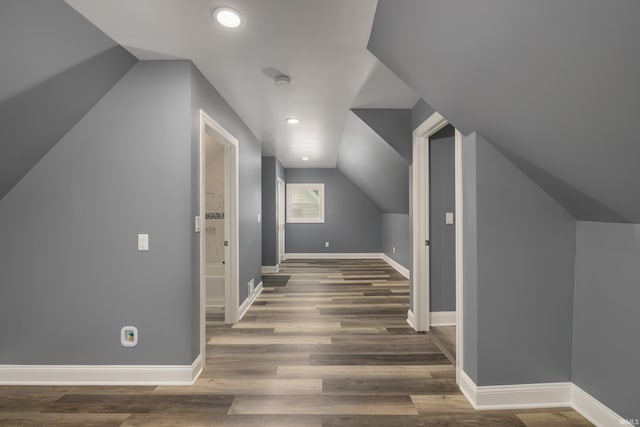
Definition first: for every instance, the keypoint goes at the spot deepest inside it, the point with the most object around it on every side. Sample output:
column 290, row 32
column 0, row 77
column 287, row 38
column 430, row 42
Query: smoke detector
column 283, row 81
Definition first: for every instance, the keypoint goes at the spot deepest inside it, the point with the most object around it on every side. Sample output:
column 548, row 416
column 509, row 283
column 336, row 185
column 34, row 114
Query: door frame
column 231, row 190
column 419, row 318
column 280, row 219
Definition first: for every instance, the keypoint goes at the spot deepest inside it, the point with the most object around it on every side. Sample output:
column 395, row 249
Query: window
column 305, row 203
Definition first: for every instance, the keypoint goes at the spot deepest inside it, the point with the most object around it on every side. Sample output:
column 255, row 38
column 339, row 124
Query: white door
column 280, row 214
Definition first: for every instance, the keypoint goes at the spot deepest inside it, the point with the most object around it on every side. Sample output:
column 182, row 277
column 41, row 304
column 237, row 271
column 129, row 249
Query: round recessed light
column 292, row 120
column 228, row 17
column 304, row 159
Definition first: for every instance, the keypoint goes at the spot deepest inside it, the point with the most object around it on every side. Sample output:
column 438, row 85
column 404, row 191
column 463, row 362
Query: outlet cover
column 326, row 244
column 129, row 336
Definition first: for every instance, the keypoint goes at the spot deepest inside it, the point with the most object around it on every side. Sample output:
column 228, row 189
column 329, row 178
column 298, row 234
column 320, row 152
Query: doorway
column 217, row 224
column 421, row 317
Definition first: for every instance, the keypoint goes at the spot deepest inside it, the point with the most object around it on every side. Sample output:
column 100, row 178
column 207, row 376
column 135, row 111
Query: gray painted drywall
column 374, row 167
column 525, row 267
column 420, row 112
column 353, row 223
column 442, row 251
column 40, row 39
column 505, row 72
column 605, row 324
column 33, row 121
column 393, row 125
column 470, row 251
column 70, row 271
column 395, row 233
column 269, row 205
column 206, row 97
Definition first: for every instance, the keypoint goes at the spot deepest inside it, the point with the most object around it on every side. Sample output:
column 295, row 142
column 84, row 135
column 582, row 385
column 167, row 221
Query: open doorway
column 218, row 225
column 441, row 224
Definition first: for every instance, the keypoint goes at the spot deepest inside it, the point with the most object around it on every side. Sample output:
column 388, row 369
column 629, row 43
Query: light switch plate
column 448, row 218
column 143, row 242
column 198, row 224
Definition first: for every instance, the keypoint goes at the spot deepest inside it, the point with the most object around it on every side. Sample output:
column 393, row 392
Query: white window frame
column 311, row 186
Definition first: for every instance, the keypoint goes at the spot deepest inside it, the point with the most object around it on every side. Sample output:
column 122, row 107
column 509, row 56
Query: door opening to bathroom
column 218, row 226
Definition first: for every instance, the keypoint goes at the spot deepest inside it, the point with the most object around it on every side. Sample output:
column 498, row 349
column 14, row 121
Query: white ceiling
column 321, row 44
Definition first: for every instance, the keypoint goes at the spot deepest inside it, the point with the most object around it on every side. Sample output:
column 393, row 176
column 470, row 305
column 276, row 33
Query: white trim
column 459, row 215
column 547, row 395
column 250, row 300
column 100, row 374
column 281, row 209
column 411, row 319
column 322, row 255
column 594, row 410
column 396, row 265
column 442, row 318
column 270, row 268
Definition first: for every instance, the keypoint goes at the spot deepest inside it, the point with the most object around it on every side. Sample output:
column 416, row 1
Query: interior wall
column 353, row 223
column 442, row 236
column 605, row 348
column 396, row 234
column 524, row 267
column 70, row 271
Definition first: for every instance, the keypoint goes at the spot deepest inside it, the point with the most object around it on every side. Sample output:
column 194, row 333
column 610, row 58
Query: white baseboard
column 399, row 268
column 548, row 395
column 442, row 318
column 250, row 300
column 411, row 319
column 270, row 268
column 594, row 411
column 324, row 255
column 99, row 375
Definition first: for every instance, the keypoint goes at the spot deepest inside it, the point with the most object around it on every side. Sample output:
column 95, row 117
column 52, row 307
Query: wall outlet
column 129, row 336
column 393, row 250
column 251, row 284
column 326, row 244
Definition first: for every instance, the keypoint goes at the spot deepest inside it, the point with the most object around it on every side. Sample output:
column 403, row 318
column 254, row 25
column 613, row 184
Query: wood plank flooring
column 326, row 344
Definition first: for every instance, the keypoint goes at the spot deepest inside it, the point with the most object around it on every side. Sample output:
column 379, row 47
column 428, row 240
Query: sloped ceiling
column 376, row 168
column 554, row 84
column 55, row 66
column 393, row 125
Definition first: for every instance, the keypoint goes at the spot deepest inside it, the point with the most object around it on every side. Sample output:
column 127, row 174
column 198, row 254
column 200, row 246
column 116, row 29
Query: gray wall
column 525, row 275
column 376, row 168
column 420, row 112
column 605, row 322
column 69, row 267
column 206, row 97
column 269, row 211
column 393, row 125
column 395, row 233
column 508, row 76
column 353, row 223
column 442, row 269
column 55, row 66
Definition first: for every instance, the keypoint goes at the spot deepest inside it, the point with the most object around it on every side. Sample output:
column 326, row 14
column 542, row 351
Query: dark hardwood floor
column 326, row 344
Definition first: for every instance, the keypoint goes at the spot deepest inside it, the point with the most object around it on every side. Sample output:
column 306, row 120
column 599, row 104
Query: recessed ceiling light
column 228, row 17
column 304, row 159
column 292, row 120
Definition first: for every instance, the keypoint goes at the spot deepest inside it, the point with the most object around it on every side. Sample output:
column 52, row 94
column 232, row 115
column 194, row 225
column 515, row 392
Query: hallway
column 325, row 344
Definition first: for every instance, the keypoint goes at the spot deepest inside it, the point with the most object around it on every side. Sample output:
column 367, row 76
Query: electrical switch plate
column 129, row 336
column 143, row 242
column 393, row 249
column 259, row 218
column 198, row 224
column 448, row 218
column 326, row 244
